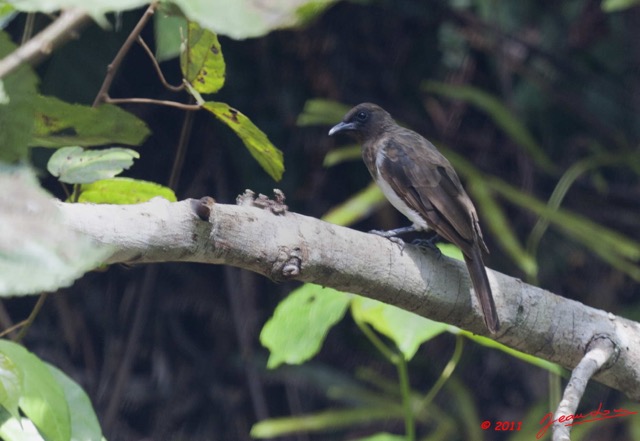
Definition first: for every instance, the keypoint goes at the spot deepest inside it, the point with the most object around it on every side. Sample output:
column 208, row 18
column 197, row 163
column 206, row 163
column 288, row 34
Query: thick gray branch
column 293, row 246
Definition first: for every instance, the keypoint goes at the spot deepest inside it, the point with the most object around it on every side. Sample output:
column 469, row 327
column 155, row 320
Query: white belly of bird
column 418, row 222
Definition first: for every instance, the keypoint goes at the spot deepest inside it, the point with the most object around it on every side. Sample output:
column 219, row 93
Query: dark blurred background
column 171, row 351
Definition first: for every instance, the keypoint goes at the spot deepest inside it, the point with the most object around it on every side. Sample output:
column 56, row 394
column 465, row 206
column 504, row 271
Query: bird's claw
column 428, row 244
column 392, row 238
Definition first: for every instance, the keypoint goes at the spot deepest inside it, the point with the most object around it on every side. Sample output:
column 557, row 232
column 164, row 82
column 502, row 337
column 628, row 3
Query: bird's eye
column 362, row 116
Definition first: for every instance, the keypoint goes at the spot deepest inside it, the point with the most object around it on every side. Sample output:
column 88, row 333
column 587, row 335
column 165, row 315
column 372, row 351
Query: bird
column 421, row 183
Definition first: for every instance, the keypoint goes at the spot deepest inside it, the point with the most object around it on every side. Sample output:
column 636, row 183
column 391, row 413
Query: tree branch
column 286, row 246
column 40, row 46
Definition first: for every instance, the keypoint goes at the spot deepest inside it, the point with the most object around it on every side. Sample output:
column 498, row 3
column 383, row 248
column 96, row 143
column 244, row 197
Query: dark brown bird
column 422, row 185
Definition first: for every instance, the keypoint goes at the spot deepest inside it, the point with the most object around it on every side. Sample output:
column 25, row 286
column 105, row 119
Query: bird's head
column 363, row 121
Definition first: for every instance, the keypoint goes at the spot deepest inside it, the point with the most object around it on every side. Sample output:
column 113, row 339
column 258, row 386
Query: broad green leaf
column 618, row 5
column 75, row 165
column 123, row 191
column 95, row 7
column 501, row 115
column 168, row 29
column 59, row 124
column 201, row 60
column 357, row 207
column 240, row 19
column 84, row 422
column 17, row 107
column 406, row 329
column 10, row 385
column 38, row 252
column 301, row 322
column 43, row 400
column 382, row 436
column 325, row 421
column 17, row 429
column 267, row 155
column 321, row 112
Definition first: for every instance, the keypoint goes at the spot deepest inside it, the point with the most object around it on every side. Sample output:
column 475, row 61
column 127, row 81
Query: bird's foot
column 428, row 244
column 391, row 235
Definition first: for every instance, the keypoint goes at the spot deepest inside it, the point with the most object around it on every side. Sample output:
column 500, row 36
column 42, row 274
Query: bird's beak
column 341, row 127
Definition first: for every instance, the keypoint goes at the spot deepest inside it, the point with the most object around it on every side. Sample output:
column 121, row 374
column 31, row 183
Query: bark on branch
column 285, row 246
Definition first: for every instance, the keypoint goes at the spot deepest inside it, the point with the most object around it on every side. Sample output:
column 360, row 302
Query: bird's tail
column 482, row 288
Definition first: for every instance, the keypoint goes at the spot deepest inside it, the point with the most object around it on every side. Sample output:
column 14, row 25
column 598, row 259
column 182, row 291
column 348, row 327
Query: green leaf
column 484, row 341
column 382, row 436
column 406, row 329
column 324, row 421
column 38, row 252
column 59, row 124
column 267, row 155
column 246, row 19
column 618, row 5
column 10, row 385
column 74, row 165
column 43, row 400
column 84, row 422
column 301, row 322
column 95, row 8
column 17, row 107
column 501, row 115
column 318, row 112
column 357, row 207
column 123, row 191
column 342, row 154
column 201, row 61
column 168, row 28
column 17, row 429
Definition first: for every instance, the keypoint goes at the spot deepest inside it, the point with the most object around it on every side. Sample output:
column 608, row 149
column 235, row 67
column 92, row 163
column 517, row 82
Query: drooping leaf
column 301, row 322
column 168, row 27
column 246, row 18
column 10, row 385
column 618, row 5
column 84, row 422
column 406, row 329
column 357, row 207
column 17, row 107
column 343, row 154
column 501, row 115
column 201, row 60
column 75, row 165
column 382, row 436
column 267, row 155
column 325, row 421
column 321, row 112
column 17, row 429
column 94, row 8
column 37, row 250
column 42, row 400
column 123, row 191
column 59, row 124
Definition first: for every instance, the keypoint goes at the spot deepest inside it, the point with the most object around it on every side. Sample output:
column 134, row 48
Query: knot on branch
column 288, row 264
column 202, row 207
column 604, row 342
column 275, row 205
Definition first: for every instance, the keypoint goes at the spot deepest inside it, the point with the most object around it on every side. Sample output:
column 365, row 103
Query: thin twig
column 28, row 28
column 57, row 33
column 34, row 313
column 156, row 65
column 112, row 69
column 190, row 107
column 181, row 151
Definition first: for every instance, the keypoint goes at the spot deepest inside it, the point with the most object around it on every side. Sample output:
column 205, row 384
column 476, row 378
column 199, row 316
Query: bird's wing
column 427, row 183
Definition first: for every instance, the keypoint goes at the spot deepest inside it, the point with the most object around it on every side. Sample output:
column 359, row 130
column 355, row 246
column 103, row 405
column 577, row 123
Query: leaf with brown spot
column 201, row 60
column 267, row 155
